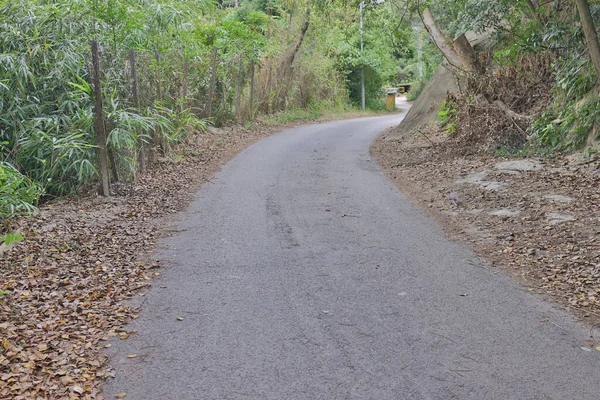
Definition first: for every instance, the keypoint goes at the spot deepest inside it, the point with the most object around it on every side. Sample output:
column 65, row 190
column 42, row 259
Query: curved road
column 301, row 272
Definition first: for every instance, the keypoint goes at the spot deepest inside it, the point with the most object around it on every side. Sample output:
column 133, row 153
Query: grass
column 299, row 115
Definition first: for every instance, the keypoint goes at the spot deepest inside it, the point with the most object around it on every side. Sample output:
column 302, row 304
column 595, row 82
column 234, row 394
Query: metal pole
column 362, row 69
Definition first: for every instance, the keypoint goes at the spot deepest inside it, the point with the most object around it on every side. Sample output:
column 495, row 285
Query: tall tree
column 591, row 35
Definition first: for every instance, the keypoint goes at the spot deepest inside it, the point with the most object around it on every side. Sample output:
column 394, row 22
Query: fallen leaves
column 557, row 258
column 62, row 289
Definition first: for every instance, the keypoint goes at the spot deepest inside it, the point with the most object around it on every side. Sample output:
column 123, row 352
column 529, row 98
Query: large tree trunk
column 440, row 40
column 289, row 62
column 591, row 35
column 466, row 54
column 99, row 124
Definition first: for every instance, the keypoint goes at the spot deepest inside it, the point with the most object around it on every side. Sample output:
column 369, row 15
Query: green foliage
column 546, row 30
column 567, row 128
column 459, row 16
column 415, row 90
column 313, row 112
column 447, row 116
column 388, row 42
column 18, row 194
column 8, row 239
column 46, row 97
column 574, row 113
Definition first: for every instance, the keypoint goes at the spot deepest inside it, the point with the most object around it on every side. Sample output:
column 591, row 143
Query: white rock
column 518, row 165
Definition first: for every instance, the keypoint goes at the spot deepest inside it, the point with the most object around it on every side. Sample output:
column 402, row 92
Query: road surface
column 301, row 272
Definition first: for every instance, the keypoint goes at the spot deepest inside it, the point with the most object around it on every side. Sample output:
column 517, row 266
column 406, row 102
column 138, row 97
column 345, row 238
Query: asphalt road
column 301, row 272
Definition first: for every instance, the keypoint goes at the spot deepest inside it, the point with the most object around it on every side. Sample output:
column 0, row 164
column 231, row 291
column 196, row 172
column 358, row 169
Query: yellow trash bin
column 390, row 101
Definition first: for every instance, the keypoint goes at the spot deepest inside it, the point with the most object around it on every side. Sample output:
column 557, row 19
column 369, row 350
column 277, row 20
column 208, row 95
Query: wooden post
column 213, row 82
column 184, row 81
column 269, row 99
column 238, row 89
column 99, row 124
column 136, row 105
column 158, row 86
column 252, row 90
column 158, row 141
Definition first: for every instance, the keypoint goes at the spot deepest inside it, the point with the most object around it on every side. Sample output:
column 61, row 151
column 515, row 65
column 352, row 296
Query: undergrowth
column 536, row 95
column 316, row 111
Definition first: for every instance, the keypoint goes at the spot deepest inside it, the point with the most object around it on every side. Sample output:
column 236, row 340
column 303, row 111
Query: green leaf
column 10, row 238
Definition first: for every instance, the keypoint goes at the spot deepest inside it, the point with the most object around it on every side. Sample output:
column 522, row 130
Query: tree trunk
column 136, row 105
column 99, row 124
column 440, row 40
column 238, row 89
column 533, row 9
column 113, row 165
column 213, row 82
column 466, row 53
column 591, row 35
column 557, row 6
column 288, row 64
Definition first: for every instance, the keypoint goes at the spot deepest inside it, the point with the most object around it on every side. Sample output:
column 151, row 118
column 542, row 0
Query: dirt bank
column 538, row 219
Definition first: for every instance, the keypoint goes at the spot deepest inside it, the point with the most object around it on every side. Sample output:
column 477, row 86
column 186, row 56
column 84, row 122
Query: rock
column 504, row 213
column 518, row 165
column 478, row 178
column 215, row 131
column 557, row 218
column 558, row 198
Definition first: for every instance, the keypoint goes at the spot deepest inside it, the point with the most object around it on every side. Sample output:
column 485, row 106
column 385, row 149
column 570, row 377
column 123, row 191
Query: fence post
column 136, row 104
column 99, row 123
column 158, row 87
column 184, row 80
column 252, row 90
column 238, row 90
column 159, row 141
column 213, row 82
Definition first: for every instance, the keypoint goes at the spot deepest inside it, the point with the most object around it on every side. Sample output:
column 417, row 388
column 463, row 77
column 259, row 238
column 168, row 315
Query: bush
column 415, row 91
column 18, row 194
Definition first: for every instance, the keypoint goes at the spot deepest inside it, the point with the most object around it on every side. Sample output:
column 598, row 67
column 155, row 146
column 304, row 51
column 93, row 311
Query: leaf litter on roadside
column 555, row 256
column 63, row 290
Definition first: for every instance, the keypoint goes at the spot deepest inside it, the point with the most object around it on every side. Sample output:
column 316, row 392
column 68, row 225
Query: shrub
column 18, row 194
